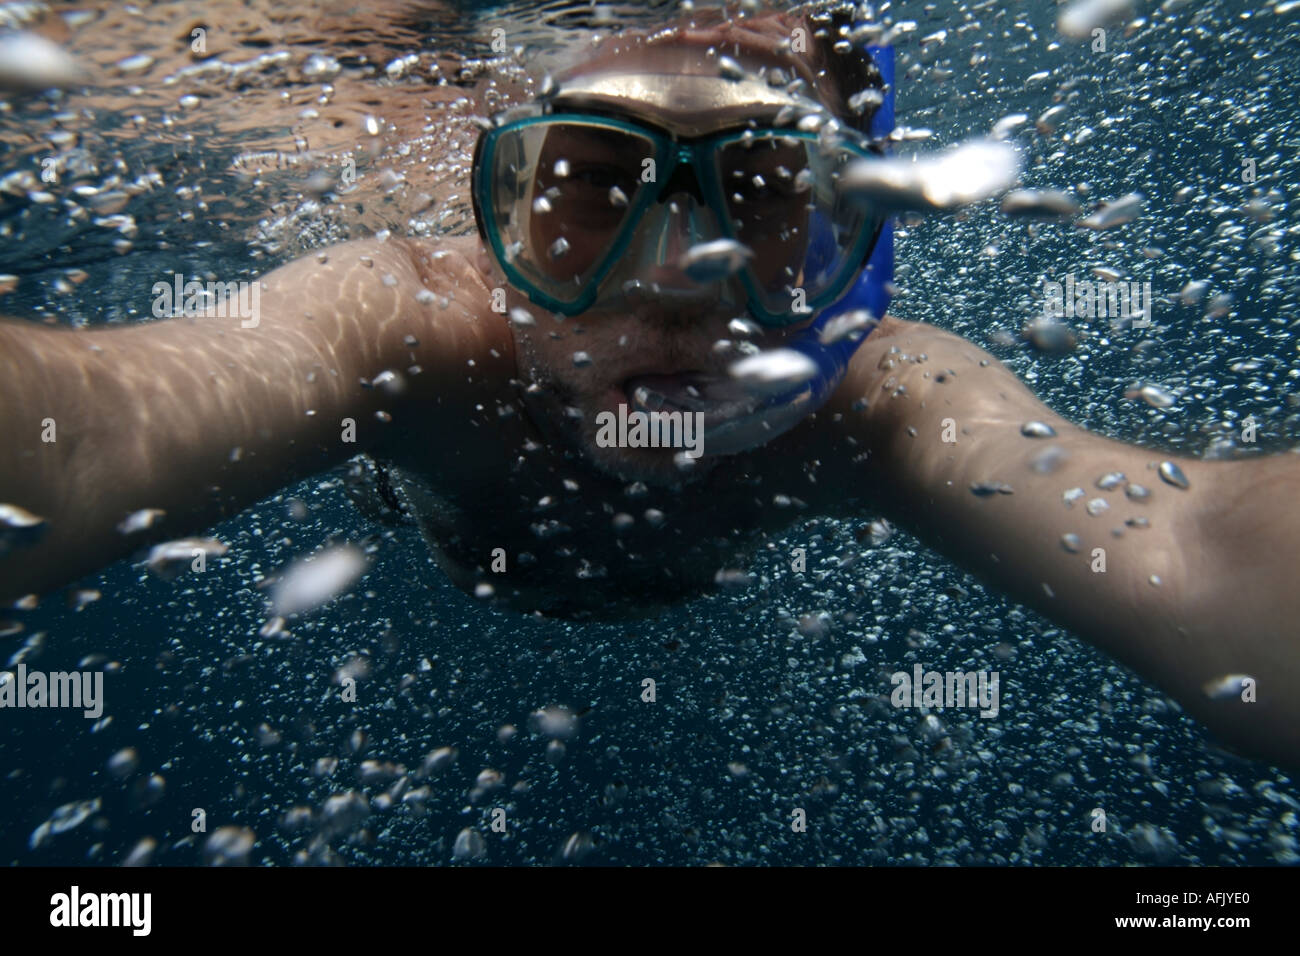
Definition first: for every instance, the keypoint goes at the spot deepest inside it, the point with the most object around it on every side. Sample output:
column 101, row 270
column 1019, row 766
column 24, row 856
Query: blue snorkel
column 871, row 290
column 781, row 412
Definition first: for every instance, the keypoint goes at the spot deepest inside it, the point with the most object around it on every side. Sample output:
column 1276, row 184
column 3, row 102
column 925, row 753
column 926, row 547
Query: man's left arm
column 1177, row 567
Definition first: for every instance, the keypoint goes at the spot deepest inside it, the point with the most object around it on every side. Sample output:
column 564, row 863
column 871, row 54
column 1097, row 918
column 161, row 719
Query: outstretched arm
column 200, row 417
column 1183, row 576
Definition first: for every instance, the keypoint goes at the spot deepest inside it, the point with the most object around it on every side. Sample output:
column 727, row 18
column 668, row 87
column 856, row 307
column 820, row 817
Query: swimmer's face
column 621, row 345
column 588, row 364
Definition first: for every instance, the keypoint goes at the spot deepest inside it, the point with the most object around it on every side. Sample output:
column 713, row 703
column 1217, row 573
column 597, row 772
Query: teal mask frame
column 670, row 154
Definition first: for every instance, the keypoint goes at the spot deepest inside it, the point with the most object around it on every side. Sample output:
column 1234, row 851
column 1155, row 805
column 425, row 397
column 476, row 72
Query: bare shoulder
column 912, row 379
column 922, row 356
column 450, row 259
column 424, row 302
column 449, row 351
column 448, row 267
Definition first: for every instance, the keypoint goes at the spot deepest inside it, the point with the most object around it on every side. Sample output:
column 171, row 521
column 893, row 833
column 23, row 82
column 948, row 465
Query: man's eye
column 599, row 177
column 758, row 187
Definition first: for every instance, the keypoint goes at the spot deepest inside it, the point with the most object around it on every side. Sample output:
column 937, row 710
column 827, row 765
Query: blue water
column 756, row 715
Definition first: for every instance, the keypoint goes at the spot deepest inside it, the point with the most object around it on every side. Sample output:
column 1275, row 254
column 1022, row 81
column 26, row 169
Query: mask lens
column 780, row 192
column 562, row 193
column 765, row 187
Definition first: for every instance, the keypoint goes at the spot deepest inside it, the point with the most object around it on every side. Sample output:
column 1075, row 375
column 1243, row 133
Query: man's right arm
column 200, row 417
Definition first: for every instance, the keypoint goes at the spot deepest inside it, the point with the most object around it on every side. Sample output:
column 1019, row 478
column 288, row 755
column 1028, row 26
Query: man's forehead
column 691, row 105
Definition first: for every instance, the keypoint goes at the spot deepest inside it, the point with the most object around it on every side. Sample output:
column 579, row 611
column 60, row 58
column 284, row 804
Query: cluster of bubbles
column 477, row 736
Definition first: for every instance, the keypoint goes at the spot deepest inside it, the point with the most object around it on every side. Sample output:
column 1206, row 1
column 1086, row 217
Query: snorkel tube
column 752, row 425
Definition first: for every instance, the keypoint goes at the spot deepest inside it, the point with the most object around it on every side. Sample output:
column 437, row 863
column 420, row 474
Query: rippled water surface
column 770, row 699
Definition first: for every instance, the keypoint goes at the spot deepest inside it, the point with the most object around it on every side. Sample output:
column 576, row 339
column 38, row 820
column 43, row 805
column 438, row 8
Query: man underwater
column 646, row 292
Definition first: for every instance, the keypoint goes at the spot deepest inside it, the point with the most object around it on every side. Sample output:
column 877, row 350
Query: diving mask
column 737, row 197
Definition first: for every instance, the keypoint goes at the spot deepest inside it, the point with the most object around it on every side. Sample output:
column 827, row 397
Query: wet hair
column 849, row 73
column 837, row 74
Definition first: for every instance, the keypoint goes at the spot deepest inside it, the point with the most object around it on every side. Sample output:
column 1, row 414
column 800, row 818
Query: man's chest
column 565, row 541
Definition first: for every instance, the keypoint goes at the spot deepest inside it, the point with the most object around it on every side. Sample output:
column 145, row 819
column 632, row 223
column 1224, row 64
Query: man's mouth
column 737, row 411
column 718, row 397
column 678, row 392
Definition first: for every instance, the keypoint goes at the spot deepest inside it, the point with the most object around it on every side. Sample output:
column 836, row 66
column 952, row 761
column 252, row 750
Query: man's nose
column 682, row 208
column 682, row 228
